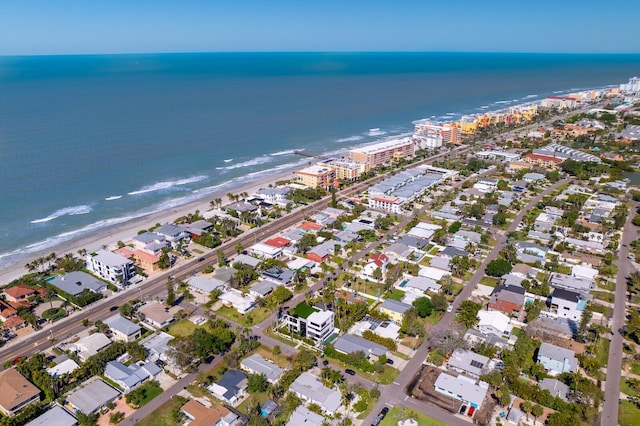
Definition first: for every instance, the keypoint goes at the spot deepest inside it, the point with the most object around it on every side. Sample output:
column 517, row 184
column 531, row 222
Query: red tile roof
column 277, row 242
column 544, row 158
column 379, row 259
column 310, row 226
column 20, row 291
column 126, row 252
column 13, row 322
column 146, row 257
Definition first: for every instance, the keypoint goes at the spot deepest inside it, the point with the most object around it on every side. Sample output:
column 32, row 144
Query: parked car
column 389, row 361
column 350, row 372
column 471, row 411
column 450, row 308
column 463, row 409
column 384, row 410
column 113, row 308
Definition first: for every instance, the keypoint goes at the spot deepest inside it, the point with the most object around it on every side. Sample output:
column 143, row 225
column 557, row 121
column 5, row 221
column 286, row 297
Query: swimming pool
column 403, row 283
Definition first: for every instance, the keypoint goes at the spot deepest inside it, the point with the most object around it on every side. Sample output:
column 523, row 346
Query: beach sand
column 109, row 236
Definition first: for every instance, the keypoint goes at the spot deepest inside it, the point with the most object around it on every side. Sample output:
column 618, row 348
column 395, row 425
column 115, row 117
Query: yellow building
column 394, row 309
column 468, row 125
column 316, row 176
column 384, row 152
column 346, row 170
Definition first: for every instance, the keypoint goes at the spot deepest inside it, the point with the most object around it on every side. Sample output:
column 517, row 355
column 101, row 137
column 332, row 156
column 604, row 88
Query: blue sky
column 71, row 27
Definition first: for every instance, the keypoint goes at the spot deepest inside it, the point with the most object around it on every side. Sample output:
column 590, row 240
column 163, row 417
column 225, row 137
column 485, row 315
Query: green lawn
column 434, row 251
column 182, row 328
column 628, row 413
column 395, row 294
column 635, row 368
column 152, row 390
column 255, row 316
column 627, row 389
column 607, row 285
column 261, row 397
column 401, row 413
column 603, row 295
column 374, row 289
column 604, row 310
column 489, row 281
column 602, row 354
column 163, row 416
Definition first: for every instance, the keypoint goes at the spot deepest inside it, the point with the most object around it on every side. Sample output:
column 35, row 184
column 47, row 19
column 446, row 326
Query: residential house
column 150, row 242
column 557, row 360
column 462, row 389
column 112, row 267
column 417, row 244
column 246, row 260
column 92, row 396
column 397, row 252
column 474, row 337
column 469, row 363
column 233, row 298
column 376, row 261
column 173, row 234
column 276, row 195
column 567, row 304
column 532, row 249
column 468, row 236
column 494, row 322
column 533, row 177
column 349, row 344
column 230, row 388
column 309, row 388
column 321, row 252
column 66, row 366
column 9, row 317
column 217, row 415
column 90, row 345
column 432, row 273
column 507, row 299
column 310, row 322
column 199, row 227
column 512, row 279
column 310, row 227
column 443, row 263
column 394, row 309
column 584, row 271
column 76, row 282
column 556, row 388
column 203, row 285
column 282, row 276
column 156, row 314
column 569, row 282
column 278, row 242
column 586, row 246
column 157, row 346
column 345, row 237
column 420, row 285
column 263, row 288
column 302, row 416
column 523, row 270
column 257, row 364
column 16, row 392
column 18, row 295
column 55, row 416
column 384, row 329
column 132, row 376
column 123, row 329
column 265, row 251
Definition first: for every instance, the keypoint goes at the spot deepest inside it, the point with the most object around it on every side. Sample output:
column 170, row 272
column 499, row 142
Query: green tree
column 455, row 227
column 239, row 247
column 171, row 295
column 499, row 219
column 498, row 267
column 165, row 261
column 306, row 242
column 126, row 310
column 468, row 313
column 256, row 383
column 537, row 410
column 439, row 302
column 377, row 274
column 423, row 306
column 276, row 351
column 136, row 351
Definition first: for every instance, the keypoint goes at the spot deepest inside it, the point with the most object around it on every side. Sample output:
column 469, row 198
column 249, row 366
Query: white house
column 494, row 322
column 256, row 364
column 309, row 388
column 567, row 304
column 469, row 363
column 112, row 267
column 233, row 298
column 557, row 360
column 130, row 377
column 123, row 329
column 265, row 251
column 375, row 261
column 462, row 388
column 173, row 234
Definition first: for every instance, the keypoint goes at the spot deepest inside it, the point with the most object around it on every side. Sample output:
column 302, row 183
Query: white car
column 450, row 308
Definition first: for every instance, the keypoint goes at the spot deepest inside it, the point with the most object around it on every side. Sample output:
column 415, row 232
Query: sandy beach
column 109, row 236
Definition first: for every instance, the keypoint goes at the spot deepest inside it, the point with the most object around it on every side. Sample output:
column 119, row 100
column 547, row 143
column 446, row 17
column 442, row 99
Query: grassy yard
column 281, row 359
column 603, row 295
column 607, row 285
column 163, row 416
column 604, row 310
column 374, row 289
column 626, row 388
column 386, row 377
column 255, row 316
column 182, row 328
column 395, row 294
column 628, row 413
column 489, row 281
column 434, row 251
column 261, row 397
column 635, row 368
column 602, row 354
column 397, row 414
column 152, row 389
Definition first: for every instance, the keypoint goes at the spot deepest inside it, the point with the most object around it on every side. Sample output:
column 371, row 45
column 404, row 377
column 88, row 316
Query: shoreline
column 110, row 235
column 124, row 231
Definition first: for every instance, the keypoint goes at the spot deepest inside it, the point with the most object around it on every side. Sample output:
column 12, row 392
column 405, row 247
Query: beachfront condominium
column 112, row 267
column 383, row 152
column 316, row 176
column 346, row 170
column 559, row 102
column 433, row 135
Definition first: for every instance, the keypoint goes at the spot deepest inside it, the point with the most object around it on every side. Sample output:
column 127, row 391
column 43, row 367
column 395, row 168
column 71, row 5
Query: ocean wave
column 228, row 160
column 502, row 102
column 254, row 162
column 167, row 184
column 530, row 96
column 376, row 132
column 113, row 197
column 484, row 107
column 67, row 211
column 285, row 152
column 349, row 139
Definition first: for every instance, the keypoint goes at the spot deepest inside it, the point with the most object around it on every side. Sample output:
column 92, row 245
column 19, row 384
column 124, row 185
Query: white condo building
column 113, row 267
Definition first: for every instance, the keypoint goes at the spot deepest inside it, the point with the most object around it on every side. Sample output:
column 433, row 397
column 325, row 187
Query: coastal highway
column 72, row 325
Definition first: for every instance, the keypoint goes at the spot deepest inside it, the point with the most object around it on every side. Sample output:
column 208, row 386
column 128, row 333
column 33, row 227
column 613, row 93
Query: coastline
column 110, row 235
column 124, row 231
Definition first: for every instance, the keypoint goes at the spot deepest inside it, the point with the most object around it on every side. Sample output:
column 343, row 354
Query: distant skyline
column 30, row 27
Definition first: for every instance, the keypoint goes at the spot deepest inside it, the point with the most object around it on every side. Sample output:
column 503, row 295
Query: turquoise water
column 89, row 141
column 403, row 283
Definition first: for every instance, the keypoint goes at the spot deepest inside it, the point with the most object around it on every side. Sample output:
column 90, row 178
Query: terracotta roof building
column 19, row 293
column 203, row 416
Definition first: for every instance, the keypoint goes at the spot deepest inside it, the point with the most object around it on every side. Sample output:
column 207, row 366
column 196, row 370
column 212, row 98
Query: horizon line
column 337, row 52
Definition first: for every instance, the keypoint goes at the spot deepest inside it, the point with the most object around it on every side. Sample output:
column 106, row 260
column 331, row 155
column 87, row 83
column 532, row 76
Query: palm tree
column 347, row 397
column 239, row 247
column 218, row 202
column 231, row 197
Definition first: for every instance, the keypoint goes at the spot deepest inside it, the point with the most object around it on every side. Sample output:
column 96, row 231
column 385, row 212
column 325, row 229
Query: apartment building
column 316, row 176
column 383, row 152
column 112, row 267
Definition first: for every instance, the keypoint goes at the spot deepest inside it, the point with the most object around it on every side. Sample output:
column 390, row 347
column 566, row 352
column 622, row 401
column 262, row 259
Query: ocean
column 90, row 141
